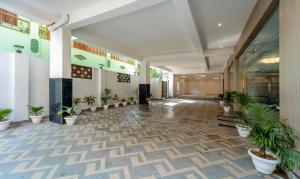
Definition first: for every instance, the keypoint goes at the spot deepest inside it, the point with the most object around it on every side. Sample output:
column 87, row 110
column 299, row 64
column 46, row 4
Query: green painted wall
column 9, row 38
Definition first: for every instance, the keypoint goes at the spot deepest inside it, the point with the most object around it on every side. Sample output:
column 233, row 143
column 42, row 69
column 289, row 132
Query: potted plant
column 149, row 99
column 124, row 103
column 131, row 100
column 221, row 99
column 105, row 97
column 4, row 120
column 116, row 100
column 70, row 111
column 243, row 126
column 228, row 100
column 90, row 100
column 275, row 141
column 76, row 102
column 36, row 112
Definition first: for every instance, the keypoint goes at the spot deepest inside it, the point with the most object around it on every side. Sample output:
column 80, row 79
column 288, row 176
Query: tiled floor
column 176, row 139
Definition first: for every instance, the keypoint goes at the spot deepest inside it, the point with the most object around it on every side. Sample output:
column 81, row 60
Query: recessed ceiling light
column 217, row 57
column 202, row 76
column 219, row 24
column 215, row 78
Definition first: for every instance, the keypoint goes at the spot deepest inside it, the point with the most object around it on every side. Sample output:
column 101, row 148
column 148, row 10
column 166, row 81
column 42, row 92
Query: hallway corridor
column 176, row 139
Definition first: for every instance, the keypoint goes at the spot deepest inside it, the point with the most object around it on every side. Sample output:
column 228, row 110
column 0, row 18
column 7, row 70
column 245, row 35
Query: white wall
column 39, row 83
column 156, row 87
column 86, row 87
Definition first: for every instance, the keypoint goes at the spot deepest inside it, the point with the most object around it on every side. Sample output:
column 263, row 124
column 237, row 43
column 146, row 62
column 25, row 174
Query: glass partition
column 259, row 64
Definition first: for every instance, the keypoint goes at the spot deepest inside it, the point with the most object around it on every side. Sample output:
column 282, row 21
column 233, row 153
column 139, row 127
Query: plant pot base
column 36, row 119
column 70, row 120
column 262, row 165
column 4, row 125
column 243, row 131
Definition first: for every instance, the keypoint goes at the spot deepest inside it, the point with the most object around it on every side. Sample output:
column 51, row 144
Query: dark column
column 144, row 92
column 60, row 94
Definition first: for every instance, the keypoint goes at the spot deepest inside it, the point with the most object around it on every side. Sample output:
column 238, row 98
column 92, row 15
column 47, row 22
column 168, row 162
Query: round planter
column 4, row 125
column 70, row 120
column 137, row 102
column 243, row 131
column 150, row 103
column 226, row 109
column 77, row 111
column 116, row 105
column 131, row 103
column 221, row 103
column 105, row 106
column 262, row 165
column 36, row 119
column 93, row 108
column 124, row 103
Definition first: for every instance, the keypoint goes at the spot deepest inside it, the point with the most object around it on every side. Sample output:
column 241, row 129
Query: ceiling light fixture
column 215, row 78
column 271, row 60
column 202, row 76
column 219, row 24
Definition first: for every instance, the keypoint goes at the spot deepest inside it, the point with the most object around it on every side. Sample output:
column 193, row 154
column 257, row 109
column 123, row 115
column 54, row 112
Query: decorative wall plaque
column 125, row 78
column 82, row 72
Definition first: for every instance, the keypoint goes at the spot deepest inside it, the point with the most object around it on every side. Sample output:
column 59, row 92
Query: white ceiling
column 154, row 29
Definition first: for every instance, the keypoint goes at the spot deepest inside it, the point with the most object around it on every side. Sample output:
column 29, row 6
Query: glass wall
column 259, row 64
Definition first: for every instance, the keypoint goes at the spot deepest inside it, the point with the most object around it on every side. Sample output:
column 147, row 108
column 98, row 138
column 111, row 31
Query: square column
column 144, row 86
column 236, row 74
column 60, row 82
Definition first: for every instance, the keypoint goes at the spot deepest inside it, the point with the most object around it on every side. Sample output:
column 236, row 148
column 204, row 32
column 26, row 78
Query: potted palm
column 243, row 126
column 76, row 102
column 221, row 99
column 4, row 120
column 228, row 100
column 36, row 112
column 105, row 96
column 90, row 100
column 131, row 100
column 275, row 140
column 124, row 103
column 116, row 100
column 70, row 111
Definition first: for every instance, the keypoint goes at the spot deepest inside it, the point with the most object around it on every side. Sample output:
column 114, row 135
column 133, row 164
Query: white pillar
column 60, row 53
column 144, row 72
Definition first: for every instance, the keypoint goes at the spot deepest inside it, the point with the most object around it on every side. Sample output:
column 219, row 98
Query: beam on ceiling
column 107, row 9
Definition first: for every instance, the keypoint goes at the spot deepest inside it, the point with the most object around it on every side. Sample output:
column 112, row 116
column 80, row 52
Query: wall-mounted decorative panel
column 125, row 78
column 82, row 72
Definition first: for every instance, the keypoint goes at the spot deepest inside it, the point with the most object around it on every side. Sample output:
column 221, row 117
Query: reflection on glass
column 259, row 64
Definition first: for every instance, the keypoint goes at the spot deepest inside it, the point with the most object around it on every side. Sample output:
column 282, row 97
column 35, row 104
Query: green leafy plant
column 76, row 101
column 36, row 110
column 68, row 110
column 90, row 100
column 105, row 96
column 228, row 98
column 269, row 132
column 123, row 100
column 221, row 96
column 115, row 98
column 131, row 99
column 244, row 101
column 4, row 113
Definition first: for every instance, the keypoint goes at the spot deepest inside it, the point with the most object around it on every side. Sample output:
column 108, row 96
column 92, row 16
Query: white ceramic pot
column 77, row 111
column 226, row 109
column 36, row 119
column 243, row 131
column 137, row 102
column 124, row 103
column 131, row 103
column 262, row 165
column 4, row 125
column 116, row 105
column 70, row 120
column 93, row 108
column 150, row 103
column 221, row 103
column 105, row 106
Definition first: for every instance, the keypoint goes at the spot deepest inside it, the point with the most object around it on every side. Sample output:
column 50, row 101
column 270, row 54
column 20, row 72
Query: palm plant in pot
column 76, row 102
column 4, row 120
column 228, row 100
column 105, row 96
column 116, row 100
column 70, row 114
column 36, row 112
column 90, row 100
column 275, row 140
column 124, row 102
column 131, row 100
column 243, row 125
column 221, row 99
